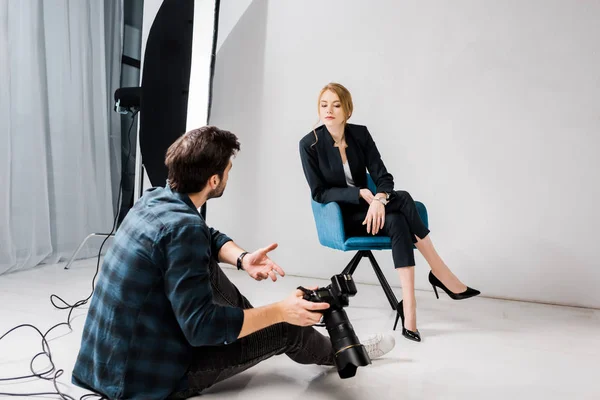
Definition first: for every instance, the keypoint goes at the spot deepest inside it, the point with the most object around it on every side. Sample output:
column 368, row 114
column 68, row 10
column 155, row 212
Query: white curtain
column 57, row 75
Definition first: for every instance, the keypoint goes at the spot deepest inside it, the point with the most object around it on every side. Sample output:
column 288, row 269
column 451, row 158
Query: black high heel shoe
column 454, row 296
column 415, row 336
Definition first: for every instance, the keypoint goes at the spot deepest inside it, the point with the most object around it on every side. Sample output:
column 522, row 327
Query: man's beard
column 218, row 191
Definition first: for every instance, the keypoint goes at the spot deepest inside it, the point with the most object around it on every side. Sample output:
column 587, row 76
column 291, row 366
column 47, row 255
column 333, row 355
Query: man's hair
column 198, row 155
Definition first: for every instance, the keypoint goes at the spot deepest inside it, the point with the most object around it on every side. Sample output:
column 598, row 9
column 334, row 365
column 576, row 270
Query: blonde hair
column 345, row 100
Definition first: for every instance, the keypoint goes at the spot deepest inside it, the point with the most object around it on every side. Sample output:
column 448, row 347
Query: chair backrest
column 371, row 184
column 330, row 225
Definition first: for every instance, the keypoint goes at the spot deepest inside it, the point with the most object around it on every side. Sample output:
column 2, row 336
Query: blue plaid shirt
column 153, row 302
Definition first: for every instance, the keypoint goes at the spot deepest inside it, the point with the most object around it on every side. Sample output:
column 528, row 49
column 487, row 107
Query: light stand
column 127, row 100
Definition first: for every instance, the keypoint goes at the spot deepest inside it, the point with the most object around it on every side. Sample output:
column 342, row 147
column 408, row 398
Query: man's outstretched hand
column 259, row 266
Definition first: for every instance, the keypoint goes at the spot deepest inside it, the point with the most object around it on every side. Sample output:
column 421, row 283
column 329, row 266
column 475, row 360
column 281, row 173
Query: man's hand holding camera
column 297, row 311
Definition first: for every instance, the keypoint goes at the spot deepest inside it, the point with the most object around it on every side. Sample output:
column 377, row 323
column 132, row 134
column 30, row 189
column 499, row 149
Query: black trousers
column 402, row 224
column 212, row 364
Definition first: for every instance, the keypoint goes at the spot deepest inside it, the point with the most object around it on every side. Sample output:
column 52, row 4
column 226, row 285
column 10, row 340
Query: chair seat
column 331, row 232
column 368, row 243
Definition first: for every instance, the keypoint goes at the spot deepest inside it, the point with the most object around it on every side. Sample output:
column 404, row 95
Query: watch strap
column 239, row 260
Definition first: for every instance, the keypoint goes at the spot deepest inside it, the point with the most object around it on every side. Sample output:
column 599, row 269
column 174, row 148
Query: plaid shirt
column 153, row 302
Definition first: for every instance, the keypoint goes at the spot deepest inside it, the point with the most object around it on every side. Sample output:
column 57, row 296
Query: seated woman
column 335, row 157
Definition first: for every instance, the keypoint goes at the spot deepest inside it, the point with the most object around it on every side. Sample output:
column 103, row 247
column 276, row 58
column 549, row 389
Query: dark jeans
column 212, row 364
column 402, row 224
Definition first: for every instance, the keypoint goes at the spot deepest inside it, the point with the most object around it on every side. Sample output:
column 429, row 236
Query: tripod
column 83, row 243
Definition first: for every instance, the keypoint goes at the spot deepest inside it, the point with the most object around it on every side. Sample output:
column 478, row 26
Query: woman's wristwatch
column 383, row 200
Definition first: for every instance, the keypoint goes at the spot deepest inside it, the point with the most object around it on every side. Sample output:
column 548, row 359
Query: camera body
column 349, row 352
column 336, row 295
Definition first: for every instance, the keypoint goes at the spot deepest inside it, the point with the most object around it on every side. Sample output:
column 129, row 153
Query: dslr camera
column 349, row 352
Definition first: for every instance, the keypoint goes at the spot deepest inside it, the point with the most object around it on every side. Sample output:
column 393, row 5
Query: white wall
column 237, row 99
column 232, row 11
column 486, row 111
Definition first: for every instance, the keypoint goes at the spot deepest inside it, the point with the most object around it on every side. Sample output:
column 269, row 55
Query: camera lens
column 349, row 352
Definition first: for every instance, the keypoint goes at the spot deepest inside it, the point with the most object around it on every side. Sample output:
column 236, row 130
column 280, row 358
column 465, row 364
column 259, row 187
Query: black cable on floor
column 52, row 373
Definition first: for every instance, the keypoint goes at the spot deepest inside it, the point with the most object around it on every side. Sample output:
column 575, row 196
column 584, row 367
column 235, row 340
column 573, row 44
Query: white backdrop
column 486, row 111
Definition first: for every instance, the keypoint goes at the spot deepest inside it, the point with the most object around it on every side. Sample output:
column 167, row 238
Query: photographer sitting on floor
column 165, row 321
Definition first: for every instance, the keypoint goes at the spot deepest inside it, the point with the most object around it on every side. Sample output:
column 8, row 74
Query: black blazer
column 324, row 171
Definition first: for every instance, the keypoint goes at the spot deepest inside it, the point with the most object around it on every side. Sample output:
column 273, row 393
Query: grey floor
column 477, row 349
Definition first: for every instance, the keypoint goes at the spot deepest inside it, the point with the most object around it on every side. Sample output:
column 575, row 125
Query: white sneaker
column 379, row 344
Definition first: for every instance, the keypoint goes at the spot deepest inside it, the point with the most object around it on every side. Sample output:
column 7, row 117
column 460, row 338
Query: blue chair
column 330, row 229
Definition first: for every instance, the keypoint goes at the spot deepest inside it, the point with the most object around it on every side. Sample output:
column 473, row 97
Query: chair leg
column 351, row 267
column 81, row 245
column 384, row 283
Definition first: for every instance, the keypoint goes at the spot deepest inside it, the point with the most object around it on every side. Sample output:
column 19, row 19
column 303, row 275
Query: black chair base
column 351, row 267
